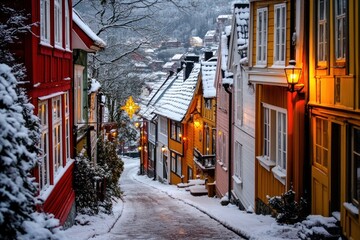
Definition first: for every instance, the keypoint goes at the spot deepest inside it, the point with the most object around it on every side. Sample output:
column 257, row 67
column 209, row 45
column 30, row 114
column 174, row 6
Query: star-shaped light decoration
column 130, row 107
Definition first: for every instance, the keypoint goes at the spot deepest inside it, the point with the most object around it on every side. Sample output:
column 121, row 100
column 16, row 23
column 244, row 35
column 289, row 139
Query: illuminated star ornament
column 130, row 107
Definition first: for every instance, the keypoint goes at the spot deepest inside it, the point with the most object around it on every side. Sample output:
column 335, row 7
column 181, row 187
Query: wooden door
column 320, row 166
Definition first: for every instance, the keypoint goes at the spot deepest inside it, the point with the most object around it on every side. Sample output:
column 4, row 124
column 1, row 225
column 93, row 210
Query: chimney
column 208, row 54
column 189, row 65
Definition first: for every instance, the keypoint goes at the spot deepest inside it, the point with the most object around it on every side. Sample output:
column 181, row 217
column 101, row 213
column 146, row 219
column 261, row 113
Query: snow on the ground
column 249, row 225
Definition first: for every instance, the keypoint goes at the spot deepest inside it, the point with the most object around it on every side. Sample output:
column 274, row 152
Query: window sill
column 237, row 180
column 351, row 208
column 260, row 66
column 279, row 174
column 278, row 66
column 265, row 163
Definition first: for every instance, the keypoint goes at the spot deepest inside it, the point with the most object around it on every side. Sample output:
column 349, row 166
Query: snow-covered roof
column 95, row 86
column 227, row 78
column 208, row 71
column 242, row 15
column 82, row 25
column 177, row 57
column 168, row 64
column 176, row 100
column 147, row 110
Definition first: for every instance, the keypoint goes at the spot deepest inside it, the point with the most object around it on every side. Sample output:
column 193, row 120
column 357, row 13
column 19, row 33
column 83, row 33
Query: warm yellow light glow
column 137, row 124
column 197, row 123
column 139, row 148
column 130, row 107
column 163, row 149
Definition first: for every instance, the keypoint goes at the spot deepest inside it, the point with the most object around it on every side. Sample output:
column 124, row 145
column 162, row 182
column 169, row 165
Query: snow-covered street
column 149, row 213
column 152, row 210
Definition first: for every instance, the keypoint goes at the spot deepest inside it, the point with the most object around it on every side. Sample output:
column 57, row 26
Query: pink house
column 223, row 82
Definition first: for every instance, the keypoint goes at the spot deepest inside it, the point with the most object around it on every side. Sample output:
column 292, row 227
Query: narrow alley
column 149, row 213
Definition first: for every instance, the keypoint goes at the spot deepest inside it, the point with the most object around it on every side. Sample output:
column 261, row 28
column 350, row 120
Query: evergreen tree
column 18, row 219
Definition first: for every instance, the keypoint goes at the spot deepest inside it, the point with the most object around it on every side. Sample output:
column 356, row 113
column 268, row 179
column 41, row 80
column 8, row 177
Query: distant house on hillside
column 196, row 42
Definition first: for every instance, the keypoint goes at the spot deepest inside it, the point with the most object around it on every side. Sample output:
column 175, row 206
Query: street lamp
column 293, row 75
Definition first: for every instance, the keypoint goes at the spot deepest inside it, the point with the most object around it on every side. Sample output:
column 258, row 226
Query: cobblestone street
column 151, row 214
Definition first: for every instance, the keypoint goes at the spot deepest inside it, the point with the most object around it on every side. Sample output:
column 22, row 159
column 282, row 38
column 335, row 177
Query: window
column 208, row 103
column 57, row 144
column 58, row 22
column 275, row 136
column 207, row 140
column 67, row 126
column 322, row 34
column 176, row 163
column 213, row 141
column 222, row 149
column 321, row 143
column 280, row 34
column 163, row 126
column 238, row 160
column 355, row 167
column 175, row 131
column 340, row 29
column 151, row 154
column 67, row 25
column 239, row 100
column 45, row 21
column 44, row 178
column 152, row 129
column 261, row 36
column 78, row 93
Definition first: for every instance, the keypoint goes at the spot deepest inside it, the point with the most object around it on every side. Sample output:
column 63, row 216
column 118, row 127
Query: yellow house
column 334, row 111
column 201, row 122
column 174, row 105
column 276, row 37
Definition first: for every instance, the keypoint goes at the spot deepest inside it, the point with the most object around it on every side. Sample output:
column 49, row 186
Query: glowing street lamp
column 130, row 107
column 293, row 75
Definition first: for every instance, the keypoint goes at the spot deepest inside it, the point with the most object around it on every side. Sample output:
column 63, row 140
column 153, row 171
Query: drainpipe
column 227, row 89
column 155, row 152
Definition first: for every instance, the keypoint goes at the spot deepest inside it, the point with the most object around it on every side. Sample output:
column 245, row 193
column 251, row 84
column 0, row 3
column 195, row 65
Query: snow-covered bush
column 18, row 155
column 84, row 186
column 287, row 209
column 114, row 166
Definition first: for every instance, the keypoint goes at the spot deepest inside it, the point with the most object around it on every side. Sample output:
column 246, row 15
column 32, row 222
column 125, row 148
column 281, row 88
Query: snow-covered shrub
column 287, row 209
column 84, row 186
column 113, row 166
column 18, row 155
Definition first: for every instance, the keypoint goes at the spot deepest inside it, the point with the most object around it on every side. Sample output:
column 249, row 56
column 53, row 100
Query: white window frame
column 322, row 32
column 175, row 163
column 163, row 126
column 321, row 143
column 57, row 134
column 78, row 94
column 222, row 149
column 58, row 32
column 67, row 126
column 279, row 34
column 261, row 36
column 238, row 162
column 44, row 170
column 340, row 30
column 152, row 129
column 239, row 100
column 274, row 141
column 45, row 22
column 67, row 25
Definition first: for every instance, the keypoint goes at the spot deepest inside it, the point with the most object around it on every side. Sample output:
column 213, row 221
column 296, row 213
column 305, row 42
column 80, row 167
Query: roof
column 148, row 108
column 227, row 78
column 242, row 16
column 84, row 37
column 176, row 99
column 208, row 71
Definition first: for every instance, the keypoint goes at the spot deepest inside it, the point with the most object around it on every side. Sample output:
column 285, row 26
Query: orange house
column 334, row 111
column 276, row 37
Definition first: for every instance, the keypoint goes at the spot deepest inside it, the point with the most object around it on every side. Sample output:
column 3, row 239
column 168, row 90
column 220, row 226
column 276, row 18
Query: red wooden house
column 48, row 58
